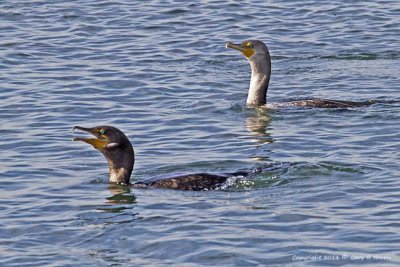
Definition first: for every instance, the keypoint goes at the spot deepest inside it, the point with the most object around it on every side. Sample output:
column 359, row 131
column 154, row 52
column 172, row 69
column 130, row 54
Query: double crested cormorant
column 118, row 151
column 257, row 54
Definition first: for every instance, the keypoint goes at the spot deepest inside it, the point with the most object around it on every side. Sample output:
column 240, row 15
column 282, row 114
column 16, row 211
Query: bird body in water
column 119, row 153
column 258, row 55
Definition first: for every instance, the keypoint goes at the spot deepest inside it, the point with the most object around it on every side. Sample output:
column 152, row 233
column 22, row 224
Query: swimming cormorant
column 257, row 54
column 118, row 151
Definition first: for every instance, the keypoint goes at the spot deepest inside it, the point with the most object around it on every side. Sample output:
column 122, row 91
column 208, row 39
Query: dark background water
column 329, row 190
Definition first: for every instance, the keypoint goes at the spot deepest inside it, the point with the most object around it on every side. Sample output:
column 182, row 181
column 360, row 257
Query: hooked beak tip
column 228, row 45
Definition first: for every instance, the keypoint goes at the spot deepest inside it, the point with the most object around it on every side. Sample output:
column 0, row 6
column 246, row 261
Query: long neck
column 260, row 75
column 120, row 164
column 119, row 175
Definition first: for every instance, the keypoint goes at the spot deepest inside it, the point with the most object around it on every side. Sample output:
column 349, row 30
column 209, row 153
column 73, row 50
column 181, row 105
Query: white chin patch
column 112, row 145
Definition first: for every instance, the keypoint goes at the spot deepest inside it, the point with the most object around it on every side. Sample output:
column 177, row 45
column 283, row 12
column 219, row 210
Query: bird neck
column 119, row 175
column 260, row 75
column 120, row 165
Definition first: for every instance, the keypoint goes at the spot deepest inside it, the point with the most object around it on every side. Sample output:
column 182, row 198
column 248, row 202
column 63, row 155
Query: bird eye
column 247, row 45
column 102, row 131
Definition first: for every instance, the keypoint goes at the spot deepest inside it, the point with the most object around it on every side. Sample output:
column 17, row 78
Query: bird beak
column 248, row 52
column 233, row 46
column 99, row 142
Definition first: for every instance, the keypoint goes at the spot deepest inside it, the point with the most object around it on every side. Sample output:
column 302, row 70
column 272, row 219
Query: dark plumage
column 119, row 153
column 196, row 182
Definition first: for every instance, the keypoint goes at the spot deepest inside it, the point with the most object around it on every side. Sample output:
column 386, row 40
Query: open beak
column 248, row 52
column 99, row 142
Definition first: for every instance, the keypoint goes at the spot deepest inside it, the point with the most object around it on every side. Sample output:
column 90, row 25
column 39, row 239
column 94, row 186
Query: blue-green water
column 329, row 191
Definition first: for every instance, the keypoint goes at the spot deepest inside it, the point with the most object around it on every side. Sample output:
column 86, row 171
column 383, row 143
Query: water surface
column 329, row 190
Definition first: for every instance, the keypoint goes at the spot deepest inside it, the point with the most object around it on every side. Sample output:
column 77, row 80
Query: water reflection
column 120, row 200
column 257, row 123
column 118, row 207
column 121, row 194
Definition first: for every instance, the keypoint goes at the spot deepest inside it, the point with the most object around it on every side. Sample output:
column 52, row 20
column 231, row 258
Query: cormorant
column 257, row 54
column 118, row 151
